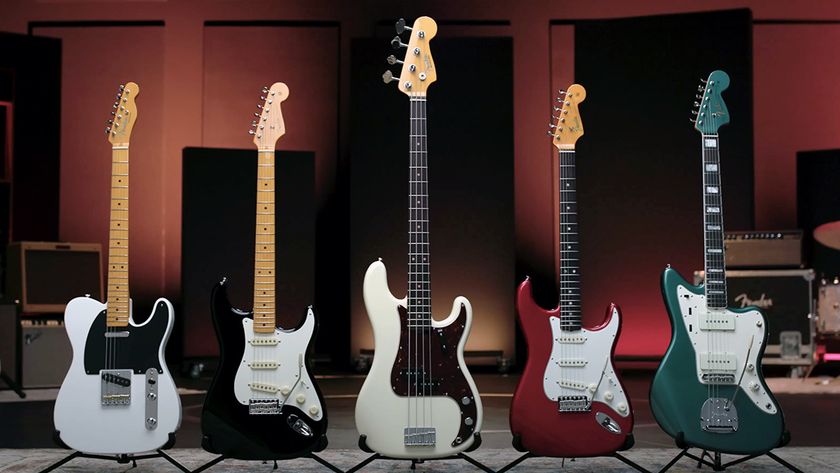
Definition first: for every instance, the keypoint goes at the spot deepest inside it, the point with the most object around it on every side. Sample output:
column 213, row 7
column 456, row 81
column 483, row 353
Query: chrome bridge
column 116, row 387
column 719, row 416
column 718, row 378
column 264, row 407
column 573, row 404
column 419, row 436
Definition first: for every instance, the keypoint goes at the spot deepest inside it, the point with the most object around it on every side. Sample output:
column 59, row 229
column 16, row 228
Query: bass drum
column 828, row 309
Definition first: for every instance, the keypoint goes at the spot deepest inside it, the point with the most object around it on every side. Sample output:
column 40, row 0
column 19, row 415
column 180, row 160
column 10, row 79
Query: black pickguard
column 227, row 427
column 137, row 352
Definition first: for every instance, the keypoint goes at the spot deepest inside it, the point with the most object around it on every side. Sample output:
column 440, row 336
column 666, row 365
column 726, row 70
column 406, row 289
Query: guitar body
column 382, row 409
column 678, row 394
column 228, row 427
column 535, row 420
column 82, row 422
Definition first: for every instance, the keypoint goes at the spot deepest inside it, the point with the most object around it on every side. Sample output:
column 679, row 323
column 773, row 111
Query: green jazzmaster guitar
column 709, row 391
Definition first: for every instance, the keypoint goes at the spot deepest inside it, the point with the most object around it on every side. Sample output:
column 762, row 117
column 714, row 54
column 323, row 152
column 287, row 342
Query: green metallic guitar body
column 678, row 394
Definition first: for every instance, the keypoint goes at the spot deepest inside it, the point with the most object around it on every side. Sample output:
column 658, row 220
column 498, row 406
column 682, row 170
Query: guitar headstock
column 710, row 111
column 123, row 115
column 269, row 125
column 418, row 68
column 567, row 126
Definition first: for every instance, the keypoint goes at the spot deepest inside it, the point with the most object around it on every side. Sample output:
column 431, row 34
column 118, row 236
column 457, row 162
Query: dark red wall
column 190, row 98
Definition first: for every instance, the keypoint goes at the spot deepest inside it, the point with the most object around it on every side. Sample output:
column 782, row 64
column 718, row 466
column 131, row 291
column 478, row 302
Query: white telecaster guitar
column 118, row 396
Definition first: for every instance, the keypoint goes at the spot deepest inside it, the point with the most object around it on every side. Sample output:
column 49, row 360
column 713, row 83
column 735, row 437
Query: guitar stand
column 12, row 384
column 415, row 461
column 122, row 459
column 616, row 455
column 311, row 456
column 714, row 458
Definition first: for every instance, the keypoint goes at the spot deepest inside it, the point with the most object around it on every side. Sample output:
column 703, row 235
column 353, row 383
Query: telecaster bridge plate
column 420, row 436
column 264, row 407
column 573, row 404
column 116, row 387
column 719, row 416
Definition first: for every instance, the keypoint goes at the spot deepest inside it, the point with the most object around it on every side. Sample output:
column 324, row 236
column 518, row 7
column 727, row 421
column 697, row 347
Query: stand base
column 461, row 456
column 12, row 384
column 311, row 456
column 616, row 455
column 123, row 459
column 716, row 464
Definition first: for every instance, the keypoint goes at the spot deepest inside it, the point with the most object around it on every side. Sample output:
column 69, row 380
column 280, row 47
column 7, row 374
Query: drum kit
column 828, row 299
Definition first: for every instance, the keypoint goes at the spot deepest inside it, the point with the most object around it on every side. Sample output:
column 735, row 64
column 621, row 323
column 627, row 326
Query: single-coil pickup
column 264, row 342
column 717, row 320
column 716, row 362
column 571, row 362
column 116, row 379
column 263, row 365
column 576, row 340
column 567, row 383
column 264, row 387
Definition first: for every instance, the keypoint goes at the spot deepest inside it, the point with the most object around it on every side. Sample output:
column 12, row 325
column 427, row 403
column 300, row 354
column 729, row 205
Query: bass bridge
column 419, row 436
column 573, row 404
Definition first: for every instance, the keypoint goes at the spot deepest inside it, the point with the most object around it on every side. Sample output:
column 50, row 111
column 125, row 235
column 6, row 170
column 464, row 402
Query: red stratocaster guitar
column 569, row 401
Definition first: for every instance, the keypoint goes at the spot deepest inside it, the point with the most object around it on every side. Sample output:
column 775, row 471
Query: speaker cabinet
column 45, row 353
column 44, row 276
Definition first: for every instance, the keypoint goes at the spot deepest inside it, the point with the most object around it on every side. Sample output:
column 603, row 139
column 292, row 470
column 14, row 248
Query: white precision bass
column 419, row 401
column 118, row 396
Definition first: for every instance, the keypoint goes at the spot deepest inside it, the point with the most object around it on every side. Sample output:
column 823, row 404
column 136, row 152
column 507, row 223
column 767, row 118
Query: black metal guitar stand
column 517, row 444
column 714, row 461
column 12, row 384
column 414, row 462
column 311, row 456
column 123, row 459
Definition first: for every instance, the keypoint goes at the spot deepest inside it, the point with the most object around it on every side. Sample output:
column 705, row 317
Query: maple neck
column 569, row 275
column 419, row 278
column 265, row 297
column 118, row 295
column 714, row 251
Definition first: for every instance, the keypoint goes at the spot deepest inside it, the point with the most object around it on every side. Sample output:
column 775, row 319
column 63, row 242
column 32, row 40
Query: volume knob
column 300, row 399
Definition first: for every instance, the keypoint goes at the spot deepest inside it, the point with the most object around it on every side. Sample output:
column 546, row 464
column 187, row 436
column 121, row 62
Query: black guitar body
column 227, row 427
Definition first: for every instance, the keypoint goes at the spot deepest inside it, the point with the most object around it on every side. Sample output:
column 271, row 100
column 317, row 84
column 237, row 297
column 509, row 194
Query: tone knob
column 609, row 396
column 300, row 399
column 753, row 386
column 152, row 396
column 151, row 421
column 750, row 367
column 592, row 387
column 285, row 390
column 314, row 410
column 622, row 407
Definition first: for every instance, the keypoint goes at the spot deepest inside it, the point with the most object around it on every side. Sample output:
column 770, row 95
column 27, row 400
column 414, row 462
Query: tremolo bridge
column 718, row 415
column 573, row 404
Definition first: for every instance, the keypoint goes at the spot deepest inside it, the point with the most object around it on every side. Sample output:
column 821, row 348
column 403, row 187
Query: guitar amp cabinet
column 787, row 300
column 764, row 249
column 45, row 354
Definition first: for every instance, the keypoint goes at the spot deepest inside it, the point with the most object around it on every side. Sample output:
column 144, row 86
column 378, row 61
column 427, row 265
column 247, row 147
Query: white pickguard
column 381, row 415
column 290, row 376
column 87, row 426
column 734, row 344
column 581, row 365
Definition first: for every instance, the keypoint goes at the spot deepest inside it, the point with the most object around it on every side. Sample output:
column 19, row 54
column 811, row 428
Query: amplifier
column 44, row 276
column 45, row 353
column 777, row 249
column 786, row 298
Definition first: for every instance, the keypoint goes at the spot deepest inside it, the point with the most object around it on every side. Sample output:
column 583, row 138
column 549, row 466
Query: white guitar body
column 381, row 414
column 81, row 420
column 273, row 368
column 581, row 365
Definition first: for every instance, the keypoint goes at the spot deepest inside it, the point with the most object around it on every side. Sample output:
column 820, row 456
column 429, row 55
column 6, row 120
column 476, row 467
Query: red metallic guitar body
column 537, row 425
column 569, row 401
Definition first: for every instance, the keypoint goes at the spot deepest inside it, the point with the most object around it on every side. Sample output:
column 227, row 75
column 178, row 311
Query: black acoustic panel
column 218, row 234
column 639, row 162
column 35, row 83
column 818, row 202
column 47, row 271
column 470, row 155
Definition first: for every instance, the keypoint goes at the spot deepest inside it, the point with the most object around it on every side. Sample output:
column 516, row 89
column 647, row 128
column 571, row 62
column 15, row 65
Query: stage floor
column 811, row 417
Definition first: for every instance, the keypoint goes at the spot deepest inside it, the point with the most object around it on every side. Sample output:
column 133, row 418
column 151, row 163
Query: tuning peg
column 393, row 60
column 549, row 133
column 251, row 132
column 388, row 77
column 694, row 112
column 692, row 120
column 552, row 125
column 696, row 104
column 556, row 108
column 108, row 122
column 265, row 90
column 256, row 114
column 396, row 43
column 401, row 26
column 107, row 130
column 703, row 80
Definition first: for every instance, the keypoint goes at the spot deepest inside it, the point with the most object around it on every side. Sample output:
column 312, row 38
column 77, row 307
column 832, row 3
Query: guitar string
column 427, row 308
